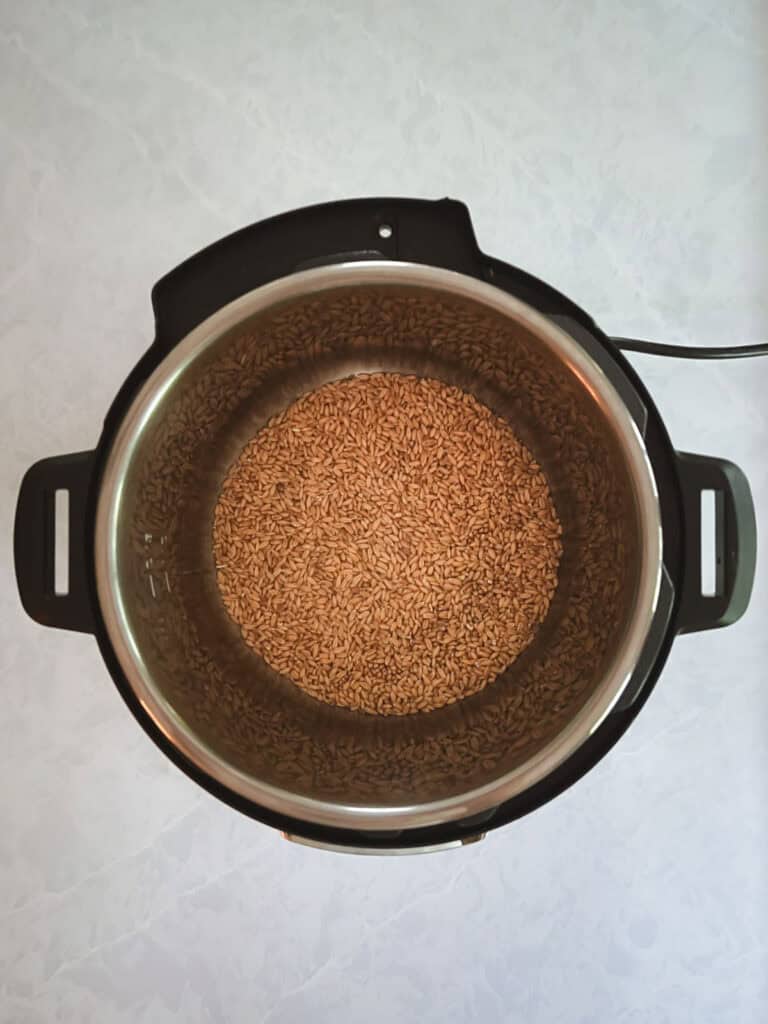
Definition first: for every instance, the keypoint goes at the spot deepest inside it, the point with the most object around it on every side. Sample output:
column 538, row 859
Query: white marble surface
column 617, row 149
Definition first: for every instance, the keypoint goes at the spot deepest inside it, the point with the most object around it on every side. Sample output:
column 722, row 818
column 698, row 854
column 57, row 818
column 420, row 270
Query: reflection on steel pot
column 276, row 310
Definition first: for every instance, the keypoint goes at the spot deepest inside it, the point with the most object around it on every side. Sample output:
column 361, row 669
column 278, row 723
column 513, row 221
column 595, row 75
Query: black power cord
column 655, row 348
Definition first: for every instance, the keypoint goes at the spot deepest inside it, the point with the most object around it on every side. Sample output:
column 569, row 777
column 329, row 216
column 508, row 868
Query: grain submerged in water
column 387, row 543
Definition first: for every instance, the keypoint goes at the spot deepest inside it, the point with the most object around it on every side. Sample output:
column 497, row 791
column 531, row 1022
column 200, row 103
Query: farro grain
column 387, row 543
column 269, row 728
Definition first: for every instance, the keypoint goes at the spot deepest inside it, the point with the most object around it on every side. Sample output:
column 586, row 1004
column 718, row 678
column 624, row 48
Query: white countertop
column 617, row 150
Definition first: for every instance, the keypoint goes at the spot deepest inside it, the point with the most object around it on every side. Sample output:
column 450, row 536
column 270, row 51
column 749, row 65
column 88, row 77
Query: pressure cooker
column 142, row 579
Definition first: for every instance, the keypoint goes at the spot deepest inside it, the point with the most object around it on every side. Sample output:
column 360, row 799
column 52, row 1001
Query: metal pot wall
column 141, row 574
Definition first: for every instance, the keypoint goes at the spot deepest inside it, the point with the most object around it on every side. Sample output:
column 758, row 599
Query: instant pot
column 245, row 327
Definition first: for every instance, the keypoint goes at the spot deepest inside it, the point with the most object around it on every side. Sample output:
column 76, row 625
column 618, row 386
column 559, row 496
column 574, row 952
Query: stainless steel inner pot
column 256, row 732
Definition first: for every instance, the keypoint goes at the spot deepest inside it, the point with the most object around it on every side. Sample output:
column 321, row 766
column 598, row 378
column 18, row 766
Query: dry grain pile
column 387, row 543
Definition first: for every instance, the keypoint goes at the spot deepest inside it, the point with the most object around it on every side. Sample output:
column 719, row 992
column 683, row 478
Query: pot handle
column 34, row 542
column 735, row 542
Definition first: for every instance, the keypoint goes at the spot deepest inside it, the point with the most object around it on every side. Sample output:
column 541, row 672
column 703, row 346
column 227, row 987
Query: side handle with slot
column 735, row 542
column 34, row 542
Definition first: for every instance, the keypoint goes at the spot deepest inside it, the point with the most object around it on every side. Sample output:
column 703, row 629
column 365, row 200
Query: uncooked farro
column 265, row 725
column 387, row 543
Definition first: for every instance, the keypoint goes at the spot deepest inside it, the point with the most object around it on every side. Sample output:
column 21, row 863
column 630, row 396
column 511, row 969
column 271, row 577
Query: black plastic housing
column 438, row 233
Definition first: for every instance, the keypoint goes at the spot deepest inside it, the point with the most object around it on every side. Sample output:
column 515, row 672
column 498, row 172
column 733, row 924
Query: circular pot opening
column 257, row 732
